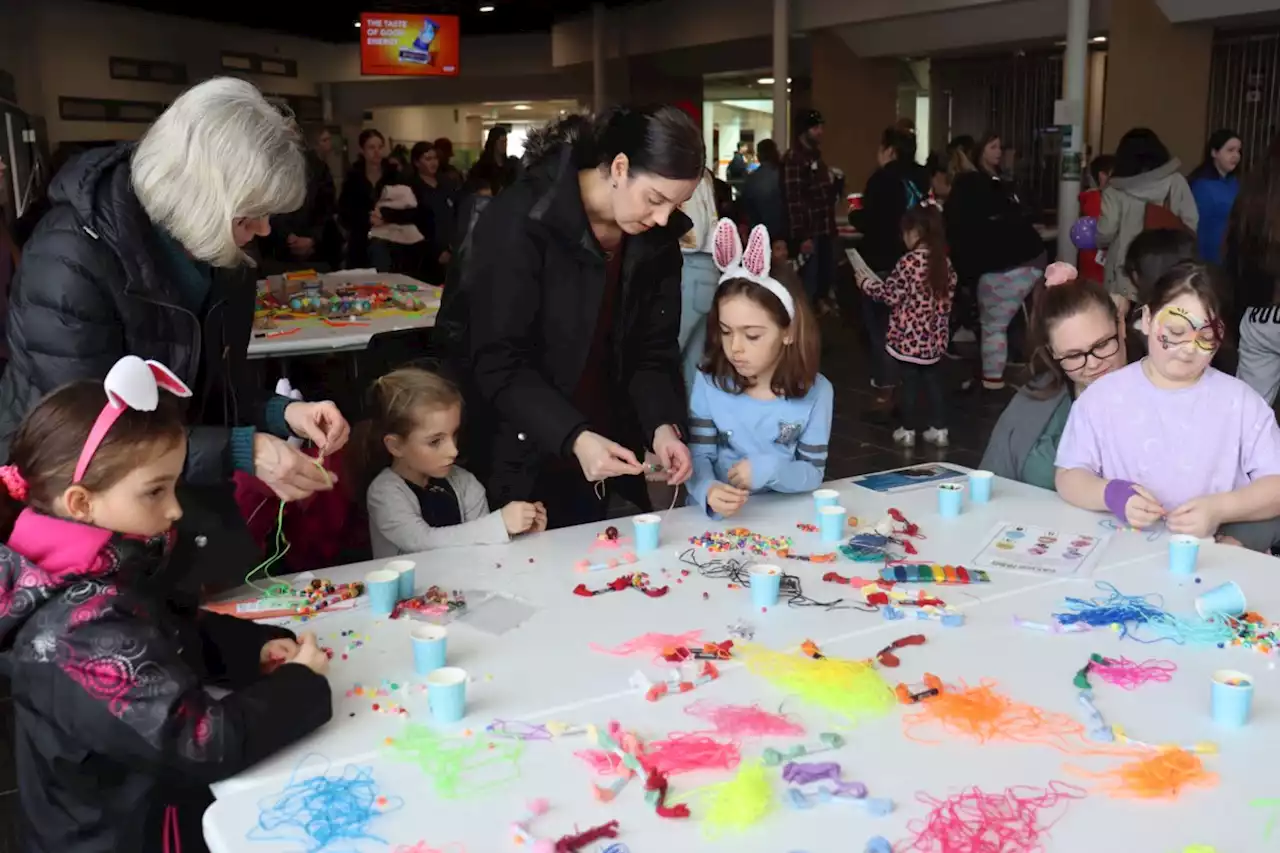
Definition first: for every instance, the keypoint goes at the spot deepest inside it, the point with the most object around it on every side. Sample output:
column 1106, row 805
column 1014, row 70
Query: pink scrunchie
column 14, row 482
column 1059, row 273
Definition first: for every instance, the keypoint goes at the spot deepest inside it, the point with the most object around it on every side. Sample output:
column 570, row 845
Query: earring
column 615, row 185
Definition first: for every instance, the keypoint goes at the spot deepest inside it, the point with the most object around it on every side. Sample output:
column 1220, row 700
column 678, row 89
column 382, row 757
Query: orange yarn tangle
column 982, row 714
column 1163, row 776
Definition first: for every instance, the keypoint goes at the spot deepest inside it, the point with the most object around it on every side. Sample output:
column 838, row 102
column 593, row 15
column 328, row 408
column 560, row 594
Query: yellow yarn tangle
column 736, row 805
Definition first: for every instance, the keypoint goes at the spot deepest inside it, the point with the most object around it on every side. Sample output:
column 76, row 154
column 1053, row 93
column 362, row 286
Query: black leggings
column 926, row 378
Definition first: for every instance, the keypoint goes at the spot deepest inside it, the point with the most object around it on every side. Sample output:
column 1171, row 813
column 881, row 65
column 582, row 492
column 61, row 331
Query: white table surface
column 545, row 669
column 315, row 338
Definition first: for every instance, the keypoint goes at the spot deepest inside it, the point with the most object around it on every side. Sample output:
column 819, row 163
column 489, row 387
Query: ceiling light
column 357, row 25
column 486, row 8
column 768, row 81
column 1098, row 40
column 522, row 107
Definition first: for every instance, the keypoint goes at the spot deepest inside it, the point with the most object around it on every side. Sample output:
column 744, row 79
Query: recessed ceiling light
column 768, row 81
column 1098, row 40
column 486, row 8
column 357, row 25
column 522, row 107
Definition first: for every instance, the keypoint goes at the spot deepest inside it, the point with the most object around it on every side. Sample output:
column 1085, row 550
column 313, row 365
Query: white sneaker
column 905, row 437
column 937, row 437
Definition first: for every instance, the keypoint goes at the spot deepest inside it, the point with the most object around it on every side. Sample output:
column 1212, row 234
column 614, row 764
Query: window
column 257, row 64
column 105, row 109
column 147, row 70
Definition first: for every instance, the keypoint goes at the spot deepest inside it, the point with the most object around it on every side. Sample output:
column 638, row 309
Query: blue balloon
column 1084, row 234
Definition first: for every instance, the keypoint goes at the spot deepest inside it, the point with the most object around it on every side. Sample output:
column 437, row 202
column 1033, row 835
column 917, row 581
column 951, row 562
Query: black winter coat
column 94, row 286
column 891, row 191
column 113, row 726
column 532, row 287
column 987, row 229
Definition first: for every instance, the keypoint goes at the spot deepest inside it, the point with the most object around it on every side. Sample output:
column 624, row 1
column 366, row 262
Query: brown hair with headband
column 1060, row 295
column 798, row 366
column 47, row 446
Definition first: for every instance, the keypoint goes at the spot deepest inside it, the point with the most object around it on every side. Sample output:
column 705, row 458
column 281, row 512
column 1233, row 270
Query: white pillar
column 597, row 57
column 1071, row 118
column 781, row 64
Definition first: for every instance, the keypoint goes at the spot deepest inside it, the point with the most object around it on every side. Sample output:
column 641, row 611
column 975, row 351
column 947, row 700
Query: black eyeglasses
column 1102, row 349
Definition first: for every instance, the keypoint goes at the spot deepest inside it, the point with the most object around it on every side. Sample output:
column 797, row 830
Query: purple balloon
column 1084, row 234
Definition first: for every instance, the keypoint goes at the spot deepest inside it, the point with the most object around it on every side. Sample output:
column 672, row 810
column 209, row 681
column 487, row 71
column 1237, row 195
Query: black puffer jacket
column 530, row 299
column 113, row 727
column 94, row 286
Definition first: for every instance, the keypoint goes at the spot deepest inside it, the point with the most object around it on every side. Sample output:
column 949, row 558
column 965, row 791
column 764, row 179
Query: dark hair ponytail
column 660, row 140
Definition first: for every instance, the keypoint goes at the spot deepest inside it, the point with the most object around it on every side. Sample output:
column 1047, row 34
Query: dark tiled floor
column 858, row 446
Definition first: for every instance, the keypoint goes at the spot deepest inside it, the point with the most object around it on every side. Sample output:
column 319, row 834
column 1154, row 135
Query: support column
column 598, row 21
column 781, row 68
column 1071, row 119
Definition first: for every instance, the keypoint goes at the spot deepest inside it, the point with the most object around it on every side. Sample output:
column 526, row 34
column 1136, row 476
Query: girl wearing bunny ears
column 759, row 411
column 117, row 739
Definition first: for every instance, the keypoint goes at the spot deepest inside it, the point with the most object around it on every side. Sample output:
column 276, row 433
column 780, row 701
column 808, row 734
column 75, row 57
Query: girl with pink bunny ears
column 118, row 738
column 759, row 411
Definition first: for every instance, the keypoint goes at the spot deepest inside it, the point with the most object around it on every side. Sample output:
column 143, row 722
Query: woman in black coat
column 572, row 308
column 140, row 254
column 360, row 193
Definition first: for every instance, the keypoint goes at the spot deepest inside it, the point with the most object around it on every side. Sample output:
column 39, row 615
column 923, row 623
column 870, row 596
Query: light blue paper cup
column 1232, row 698
column 821, row 498
column 950, row 499
column 980, row 486
column 766, row 584
column 447, row 694
column 384, row 591
column 648, row 528
column 430, row 646
column 407, row 571
column 1225, row 600
column 1183, row 552
column 831, row 523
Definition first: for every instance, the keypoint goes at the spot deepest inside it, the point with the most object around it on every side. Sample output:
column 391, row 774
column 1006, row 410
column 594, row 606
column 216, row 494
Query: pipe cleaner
column 1163, row 776
column 852, row 689
column 737, row 804
column 827, row 741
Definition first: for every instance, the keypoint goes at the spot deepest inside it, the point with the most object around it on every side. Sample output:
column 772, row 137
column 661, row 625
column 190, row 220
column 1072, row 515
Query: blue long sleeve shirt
column 1214, row 199
column 785, row 439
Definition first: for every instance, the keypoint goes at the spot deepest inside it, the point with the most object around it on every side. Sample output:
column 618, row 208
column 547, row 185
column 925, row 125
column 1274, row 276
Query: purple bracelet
column 1116, row 495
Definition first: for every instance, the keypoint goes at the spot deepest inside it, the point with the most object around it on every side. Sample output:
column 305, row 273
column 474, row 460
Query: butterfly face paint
column 1179, row 328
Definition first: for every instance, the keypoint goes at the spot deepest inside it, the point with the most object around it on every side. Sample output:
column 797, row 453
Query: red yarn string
column 574, row 843
column 973, row 821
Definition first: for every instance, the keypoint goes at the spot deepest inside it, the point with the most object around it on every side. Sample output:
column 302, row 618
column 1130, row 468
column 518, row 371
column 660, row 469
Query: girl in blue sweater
column 759, row 411
column 1215, row 186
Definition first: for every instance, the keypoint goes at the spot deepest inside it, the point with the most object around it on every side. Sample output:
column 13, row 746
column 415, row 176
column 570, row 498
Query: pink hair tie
column 14, row 482
column 1059, row 273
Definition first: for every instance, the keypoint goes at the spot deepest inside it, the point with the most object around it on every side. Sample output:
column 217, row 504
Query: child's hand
column 726, row 500
column 740, row 474
column 1197, row 517
column 310, row 655
column 1142, row 509
column 539, row 518
column 520, row 516
column 275, row 653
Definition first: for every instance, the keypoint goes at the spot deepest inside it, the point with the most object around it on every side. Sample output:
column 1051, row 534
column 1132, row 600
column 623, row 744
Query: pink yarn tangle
column 1014, row 820
column 687, row 752
column 654, row 644
column 744, row 721
column 424, row 847
column 602, row 763
column 1123, row 672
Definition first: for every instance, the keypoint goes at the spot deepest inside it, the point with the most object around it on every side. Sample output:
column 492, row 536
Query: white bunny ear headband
column 752, row 264
column 130, row 384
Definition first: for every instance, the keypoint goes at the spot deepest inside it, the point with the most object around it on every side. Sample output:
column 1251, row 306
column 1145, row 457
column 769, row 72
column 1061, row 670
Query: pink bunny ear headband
column 131, row 384
column 752, row 264
column 1059, row 273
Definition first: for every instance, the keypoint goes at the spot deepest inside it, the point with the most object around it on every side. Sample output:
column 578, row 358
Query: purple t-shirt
column 1213, row 437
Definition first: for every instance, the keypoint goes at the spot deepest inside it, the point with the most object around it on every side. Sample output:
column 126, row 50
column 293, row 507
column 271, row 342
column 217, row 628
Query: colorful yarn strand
column 735, row 805
column 1163, row 776
column 321, row 809
column 458, row 766
column 852, row 689
column 1127, row 614
column 654, row 644
column 744, row 721
column 973, row 821
column 1129, row 675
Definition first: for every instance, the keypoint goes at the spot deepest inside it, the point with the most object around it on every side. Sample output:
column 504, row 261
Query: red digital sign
column 398, row 45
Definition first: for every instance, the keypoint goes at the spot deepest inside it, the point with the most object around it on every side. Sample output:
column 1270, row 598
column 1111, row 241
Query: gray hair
column 219, row 152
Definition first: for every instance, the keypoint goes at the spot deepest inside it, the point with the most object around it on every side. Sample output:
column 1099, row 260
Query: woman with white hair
column 142, row 253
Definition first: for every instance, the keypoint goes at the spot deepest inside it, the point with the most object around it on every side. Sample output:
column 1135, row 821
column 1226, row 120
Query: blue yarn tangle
column 1152, row 534
column 1131, row 613
column 324, row 811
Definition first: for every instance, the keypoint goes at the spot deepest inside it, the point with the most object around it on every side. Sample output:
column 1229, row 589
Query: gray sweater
column 396, row 525
column 1124, row 213
column 1019, row 428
